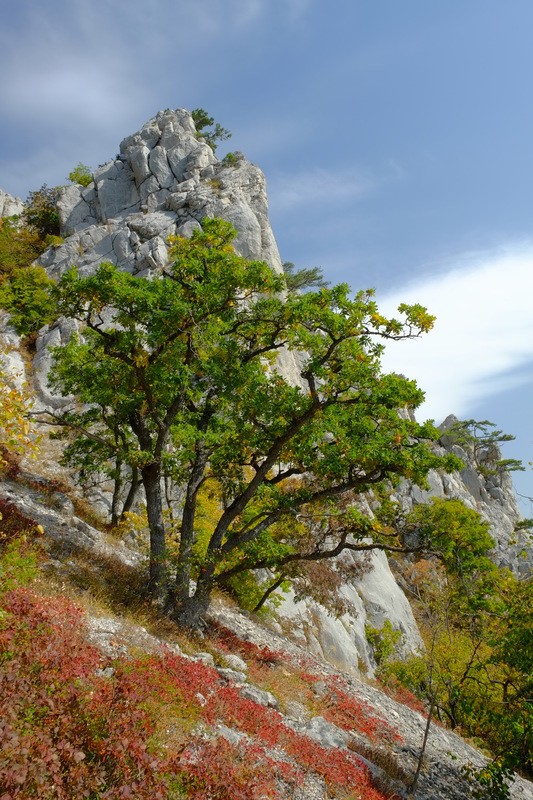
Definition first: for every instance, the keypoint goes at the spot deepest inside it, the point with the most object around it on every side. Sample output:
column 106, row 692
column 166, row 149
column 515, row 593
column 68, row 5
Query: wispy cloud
column 83, row 74
column 483, row 337
column 288, row 192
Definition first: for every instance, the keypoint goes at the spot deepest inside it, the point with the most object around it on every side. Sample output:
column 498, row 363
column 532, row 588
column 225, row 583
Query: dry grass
column 383, row 757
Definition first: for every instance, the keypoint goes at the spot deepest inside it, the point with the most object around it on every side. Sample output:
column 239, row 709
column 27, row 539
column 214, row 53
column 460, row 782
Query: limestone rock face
column 165, row 180
column 9, row 205
column 370, row 599
column 11, row 360
column 491, row 495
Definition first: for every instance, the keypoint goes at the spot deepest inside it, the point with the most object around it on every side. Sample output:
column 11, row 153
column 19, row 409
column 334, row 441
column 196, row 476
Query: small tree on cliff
column 181, row 377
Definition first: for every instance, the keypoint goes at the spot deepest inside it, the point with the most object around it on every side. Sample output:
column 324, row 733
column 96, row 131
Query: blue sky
column 396, row 138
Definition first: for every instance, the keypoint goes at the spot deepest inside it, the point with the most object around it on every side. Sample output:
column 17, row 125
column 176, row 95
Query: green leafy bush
column 491, row 782
column 81, row 174
column 232, row 159
column 26, row 295
column 41, row 213
column 20, row 245
column 383, row 641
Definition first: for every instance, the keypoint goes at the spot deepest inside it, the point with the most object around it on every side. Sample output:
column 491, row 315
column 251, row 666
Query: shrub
column 20, row 245
column 18, row 563
column 16, row 435
column 41, row 213
column 233, row 159
column 65, row 731
column 26, row 295
column 81, row 174
column 383, row 641
column 229, row 772
column 491, row 782
column 69, row 729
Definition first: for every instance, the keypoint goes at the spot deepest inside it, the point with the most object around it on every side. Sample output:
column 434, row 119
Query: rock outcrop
column 10, row 206
column 490, row 492
column 165, row 180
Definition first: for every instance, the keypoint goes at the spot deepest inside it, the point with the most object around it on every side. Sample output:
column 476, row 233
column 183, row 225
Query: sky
column 396, row 138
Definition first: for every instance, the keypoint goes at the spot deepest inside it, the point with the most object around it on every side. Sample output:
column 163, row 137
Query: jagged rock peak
column 165, row 180
column 490, row 492
column 10, row 206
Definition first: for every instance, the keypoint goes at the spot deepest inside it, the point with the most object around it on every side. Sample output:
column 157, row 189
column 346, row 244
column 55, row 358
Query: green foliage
column 455, row 533
column 215, row 133
column 18, row 564
column 491, row 782
column 81, row 174
column 26, row 294
column 383, row 641
column 233, row 159
column 181, row 382
column 20, row 246
column 476, row 621
column 16, row 435
column 305, row 278
column 53, row 241
column 216, row 184
column 477, row 669
column 41, row 214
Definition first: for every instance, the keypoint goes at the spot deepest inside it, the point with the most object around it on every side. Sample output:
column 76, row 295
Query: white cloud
column 482, row 342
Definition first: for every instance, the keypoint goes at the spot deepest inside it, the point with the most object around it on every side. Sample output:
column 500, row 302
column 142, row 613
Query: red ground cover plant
column 218, row 769
column 347, row 712
column 341, row 769
column 339, row 706
column 230, row 642
column 67, row 730
column 404, row 696
column 13, row 522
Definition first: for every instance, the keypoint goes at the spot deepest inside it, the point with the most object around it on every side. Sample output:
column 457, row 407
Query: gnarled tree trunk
column 151, row 479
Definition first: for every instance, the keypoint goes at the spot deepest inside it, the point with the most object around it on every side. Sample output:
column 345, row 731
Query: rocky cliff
column 164, row 181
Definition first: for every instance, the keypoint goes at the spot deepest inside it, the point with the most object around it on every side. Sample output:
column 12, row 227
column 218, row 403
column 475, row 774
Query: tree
column 185, row 367
column 477, row 668
column 482, row 439
column 305, row 278
column 41, row 214
column 217, row 133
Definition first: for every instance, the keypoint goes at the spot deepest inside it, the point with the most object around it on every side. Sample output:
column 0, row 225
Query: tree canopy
column 181, row 378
